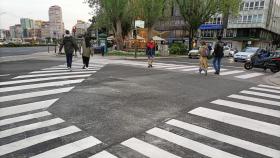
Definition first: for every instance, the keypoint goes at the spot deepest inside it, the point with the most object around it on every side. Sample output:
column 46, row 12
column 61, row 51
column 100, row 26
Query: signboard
column 210, row 27
column 139, row 23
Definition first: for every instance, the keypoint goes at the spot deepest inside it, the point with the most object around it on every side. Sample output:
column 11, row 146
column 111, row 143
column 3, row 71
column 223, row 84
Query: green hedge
column 123, row 53
column 178, row 49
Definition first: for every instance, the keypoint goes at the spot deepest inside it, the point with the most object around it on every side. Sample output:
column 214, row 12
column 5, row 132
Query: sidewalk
column 274, row 79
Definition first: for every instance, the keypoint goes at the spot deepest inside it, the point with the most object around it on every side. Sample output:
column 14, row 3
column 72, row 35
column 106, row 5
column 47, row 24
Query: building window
column 241, row 6
column 254, row 19
column 260, row 16
column 257, row 5
column 251, row 7
column 246, row 6
column 249, row 19
column 261, row 5
column 244, row 20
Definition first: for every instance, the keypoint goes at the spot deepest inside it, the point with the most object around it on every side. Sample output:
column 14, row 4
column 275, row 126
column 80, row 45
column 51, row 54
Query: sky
column 72, row 10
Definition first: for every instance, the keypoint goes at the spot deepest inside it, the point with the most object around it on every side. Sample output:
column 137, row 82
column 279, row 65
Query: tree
column 196, row 12
column 115, row 14
column 151, row 11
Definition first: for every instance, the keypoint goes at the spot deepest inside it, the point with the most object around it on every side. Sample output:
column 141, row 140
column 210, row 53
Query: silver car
column 245, row 54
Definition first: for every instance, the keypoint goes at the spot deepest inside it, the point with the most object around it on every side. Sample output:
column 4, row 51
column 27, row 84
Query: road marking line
column 65, row 70
column 239, row 121
column 179, row 67
column 264, row 89
column 40, row 85
column 26, row 107
column 147, row 149
column 34, row 94
column 212, row 70
column 70, row 148
column 190, row 144
column 42, row 79
column 191, row 69
column 21, row 129
column 103, row 154
column 225, row 138
column 267, row 86
column 55, row 74
column 248, row 107
column 230, row 72
column 264, row 101
column 4, row 75
column 23, row 118
column 251, row 75
column 27, row 142
column 261, row 94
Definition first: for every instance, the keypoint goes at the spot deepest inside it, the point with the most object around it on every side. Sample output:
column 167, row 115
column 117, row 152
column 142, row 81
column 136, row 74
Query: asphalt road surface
column 121, row 108
column 23, row 50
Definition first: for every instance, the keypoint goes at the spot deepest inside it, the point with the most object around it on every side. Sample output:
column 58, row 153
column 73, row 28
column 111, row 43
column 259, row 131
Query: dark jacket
column 219, row 49
column 69, row 44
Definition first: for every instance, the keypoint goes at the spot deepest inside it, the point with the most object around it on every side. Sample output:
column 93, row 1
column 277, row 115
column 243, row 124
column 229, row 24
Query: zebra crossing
column 240, row 74
column 27, row 128
column 246, row 124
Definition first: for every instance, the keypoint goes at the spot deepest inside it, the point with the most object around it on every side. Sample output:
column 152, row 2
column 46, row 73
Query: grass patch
column 128, row 54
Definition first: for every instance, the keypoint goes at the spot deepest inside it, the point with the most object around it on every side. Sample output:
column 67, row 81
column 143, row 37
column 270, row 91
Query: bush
column 178, row 49
column 24, row 45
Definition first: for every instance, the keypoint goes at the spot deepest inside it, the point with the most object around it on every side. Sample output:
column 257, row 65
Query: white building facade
column 56, row 25
column 258, row 24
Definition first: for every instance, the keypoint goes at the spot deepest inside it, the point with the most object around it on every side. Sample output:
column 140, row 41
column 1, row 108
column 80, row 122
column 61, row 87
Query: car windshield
column 250, row 49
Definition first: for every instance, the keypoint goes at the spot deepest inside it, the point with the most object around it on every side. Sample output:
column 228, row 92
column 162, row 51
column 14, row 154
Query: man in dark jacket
column 70, row 46
column 218, row 55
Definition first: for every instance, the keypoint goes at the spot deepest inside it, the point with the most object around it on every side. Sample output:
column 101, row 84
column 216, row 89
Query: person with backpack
column 203, row 58
column 86, row 47
column 218, row 54
column 70, row 45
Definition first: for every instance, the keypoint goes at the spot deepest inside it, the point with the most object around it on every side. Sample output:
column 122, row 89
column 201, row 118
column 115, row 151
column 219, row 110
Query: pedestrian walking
column 218, row 55
column 86, row 47
column 203, row 58
column 150, row 52
column 70, row 45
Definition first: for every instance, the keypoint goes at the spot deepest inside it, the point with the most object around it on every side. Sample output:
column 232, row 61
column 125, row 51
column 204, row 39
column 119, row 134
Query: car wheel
column 274, row 69
column 190, row 56
column 248, row 65
column 235, row 60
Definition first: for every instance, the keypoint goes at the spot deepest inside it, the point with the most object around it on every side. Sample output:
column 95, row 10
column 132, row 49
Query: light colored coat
column 86, row 51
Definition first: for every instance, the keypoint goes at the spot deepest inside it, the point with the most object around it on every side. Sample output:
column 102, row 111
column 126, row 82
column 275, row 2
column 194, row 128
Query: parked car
column 227, row 51
column 194, row 53
column 232, row 52
column 246, row 54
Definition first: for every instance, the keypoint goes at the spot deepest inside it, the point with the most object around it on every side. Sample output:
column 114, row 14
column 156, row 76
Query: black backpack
column 219, row 49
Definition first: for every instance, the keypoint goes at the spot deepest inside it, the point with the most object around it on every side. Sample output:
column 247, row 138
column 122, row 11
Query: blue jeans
column 69, row 57
column 217, row 64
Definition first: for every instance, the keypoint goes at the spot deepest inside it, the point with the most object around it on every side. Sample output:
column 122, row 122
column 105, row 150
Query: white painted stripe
column 21, row 129
column 225, row 138
column 267, row 86
column 27, row 142
column 191, row 69
column 179, row 67
column 231, row 72
column 55, row 74
column 66, row 70
column 70, row 148
column 147, row 149
column 247, row 107
column 41, row 79
column 103, row 154
column 213, row 70
column 190, row 144
column 239, row 121
column 34, row 94
column 250, row 75
column 26, row 107
column 4, row 75
column 265, row 89
column 55, row 71
column 264, row 101
column 23, row 118
column 261, row 94
column 40, row 85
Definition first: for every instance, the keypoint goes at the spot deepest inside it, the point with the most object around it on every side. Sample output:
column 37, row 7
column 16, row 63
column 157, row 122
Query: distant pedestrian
column 70, row 45
column 203, row 58
column 218, row 55
column 86, row 47
column 150, row 52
